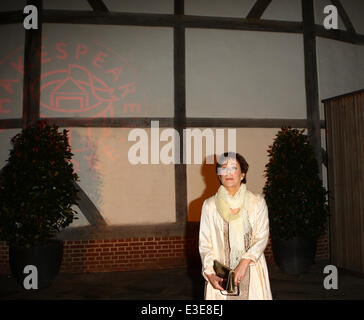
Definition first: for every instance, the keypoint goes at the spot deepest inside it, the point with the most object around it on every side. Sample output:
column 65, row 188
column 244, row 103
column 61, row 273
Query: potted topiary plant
column 296, row 201
column 36, row 197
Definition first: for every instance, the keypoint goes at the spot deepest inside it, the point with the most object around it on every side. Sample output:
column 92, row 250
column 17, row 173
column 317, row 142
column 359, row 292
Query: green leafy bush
column 37, row 186
column 293, row 190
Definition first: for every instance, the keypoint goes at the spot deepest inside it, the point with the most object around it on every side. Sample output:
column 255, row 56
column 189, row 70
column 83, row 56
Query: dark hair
column 244, row 166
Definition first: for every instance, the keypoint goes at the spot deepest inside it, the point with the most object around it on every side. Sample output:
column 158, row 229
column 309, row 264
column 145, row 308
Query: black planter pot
column 47, row 258
column 294, row 256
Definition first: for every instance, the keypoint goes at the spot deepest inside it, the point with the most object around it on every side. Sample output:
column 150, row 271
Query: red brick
column 107, row 245
column 107, row 253
column 134, row 243
column 121, row 244
column 92, row 254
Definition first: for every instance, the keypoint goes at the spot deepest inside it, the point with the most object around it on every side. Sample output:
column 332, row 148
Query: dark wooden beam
column 11, row 17
column 86, row 17
column 32, row 69
column 110, row 122
column 168, row 20
column 339, row 35
column 171, row 122
column 11, row 123
column 179, row 7
column 344, row 16
column 311, row 80
column 258, row 9
column 108, row 18
column 88, row 209
column 179, row 72
column 98, row 5
column 247, row 123
column 242, row 24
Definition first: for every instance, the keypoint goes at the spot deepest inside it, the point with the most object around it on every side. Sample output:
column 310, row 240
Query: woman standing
column 234, row 230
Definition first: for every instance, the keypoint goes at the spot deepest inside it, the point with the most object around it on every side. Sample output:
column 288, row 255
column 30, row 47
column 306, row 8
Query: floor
column 180, row 284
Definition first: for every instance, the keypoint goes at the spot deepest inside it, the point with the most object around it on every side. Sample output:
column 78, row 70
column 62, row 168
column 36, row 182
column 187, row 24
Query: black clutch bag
column 228, row 276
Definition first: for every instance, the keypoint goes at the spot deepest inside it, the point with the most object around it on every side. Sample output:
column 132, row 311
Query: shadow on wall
column 194, row 267
column 208, row 173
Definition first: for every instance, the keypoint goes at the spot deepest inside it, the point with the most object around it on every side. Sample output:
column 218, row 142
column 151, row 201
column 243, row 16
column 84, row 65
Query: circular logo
column 80, row 80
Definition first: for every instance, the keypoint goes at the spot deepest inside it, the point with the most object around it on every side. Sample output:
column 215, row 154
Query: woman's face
column 230, row 174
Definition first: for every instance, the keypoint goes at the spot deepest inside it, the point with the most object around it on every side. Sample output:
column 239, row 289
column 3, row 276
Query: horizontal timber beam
column 241, row 24
column 109, row 18
column 247, row 123
column 339, row 35
column 168, row 20
column 9, row 17
column 11, row 123
column 166, row 122
column 110, row 122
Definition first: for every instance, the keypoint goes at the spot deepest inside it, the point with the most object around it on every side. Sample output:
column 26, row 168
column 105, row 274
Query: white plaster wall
column 141, row 6
column 286, row 10
column 244, row 74
column 340, row 68
column 115, row 57
column 123, row 193
column 219, row 8
column 67, row 5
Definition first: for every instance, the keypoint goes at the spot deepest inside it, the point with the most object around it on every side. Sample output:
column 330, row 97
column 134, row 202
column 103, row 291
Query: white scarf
column 239, row 226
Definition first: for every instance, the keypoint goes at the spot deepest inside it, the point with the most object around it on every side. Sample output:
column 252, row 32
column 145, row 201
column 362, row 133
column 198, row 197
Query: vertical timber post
column 311, row 80
column 32, row 69
column 180, row 175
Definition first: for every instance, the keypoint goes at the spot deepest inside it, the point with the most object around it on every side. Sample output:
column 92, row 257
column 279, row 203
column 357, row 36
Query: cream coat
column 211, row 246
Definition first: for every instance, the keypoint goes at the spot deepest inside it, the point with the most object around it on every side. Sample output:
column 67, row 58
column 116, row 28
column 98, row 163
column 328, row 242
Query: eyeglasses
column 222, row 171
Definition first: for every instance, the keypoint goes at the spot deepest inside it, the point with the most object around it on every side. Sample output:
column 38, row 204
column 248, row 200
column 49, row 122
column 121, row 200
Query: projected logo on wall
column 10, row 89
column 73, row 95
column 82, row 81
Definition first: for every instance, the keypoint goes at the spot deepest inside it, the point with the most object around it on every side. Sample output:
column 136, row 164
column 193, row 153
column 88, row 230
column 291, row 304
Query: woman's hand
column 215, row 281
column 240, row 270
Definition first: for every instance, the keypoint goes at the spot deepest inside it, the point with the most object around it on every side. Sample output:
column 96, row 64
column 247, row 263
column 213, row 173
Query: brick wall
column 136, row 254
